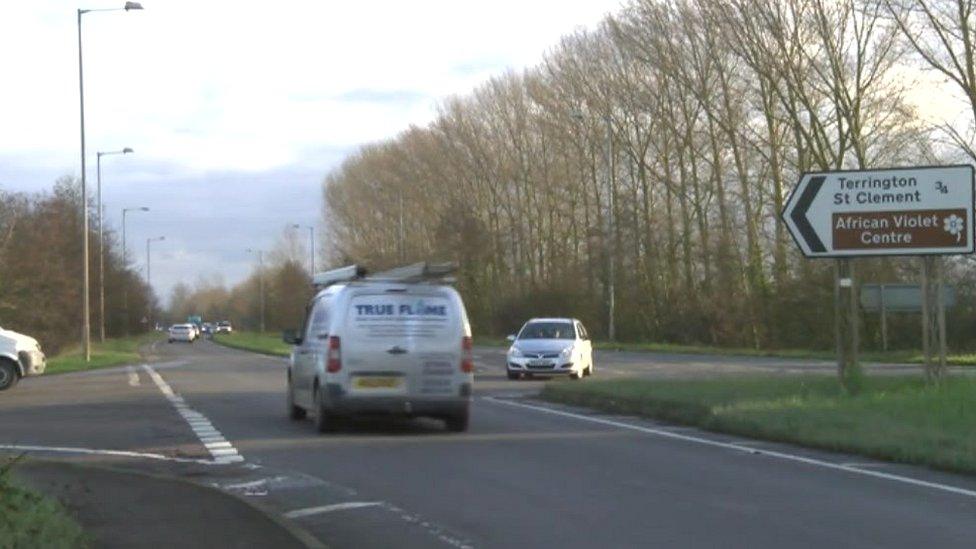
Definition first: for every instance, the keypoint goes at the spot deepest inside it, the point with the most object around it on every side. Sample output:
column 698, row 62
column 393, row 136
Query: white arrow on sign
column 897, row 211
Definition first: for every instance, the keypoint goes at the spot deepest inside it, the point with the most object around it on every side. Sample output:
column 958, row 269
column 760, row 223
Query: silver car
column 550, row 347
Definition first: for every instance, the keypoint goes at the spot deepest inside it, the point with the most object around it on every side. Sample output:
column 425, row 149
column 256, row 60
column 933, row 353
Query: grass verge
column 28, row 519
column 113, row 352
column 897, row 419
column 892, row 357
column 256, row 342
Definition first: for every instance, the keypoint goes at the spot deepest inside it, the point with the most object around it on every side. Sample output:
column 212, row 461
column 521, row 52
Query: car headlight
column 567, row 352
column 515, row 352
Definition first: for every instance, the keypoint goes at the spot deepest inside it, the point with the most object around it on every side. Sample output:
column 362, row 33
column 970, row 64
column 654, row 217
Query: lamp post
column 101, row 241
column 610, row 241
column 86, row 312
column 148, row 269
column 260, row 281
column 311, row 246
column 125, row 266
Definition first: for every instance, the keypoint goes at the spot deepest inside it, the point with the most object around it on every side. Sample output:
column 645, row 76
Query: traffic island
column 128, row 509
column 900, row 419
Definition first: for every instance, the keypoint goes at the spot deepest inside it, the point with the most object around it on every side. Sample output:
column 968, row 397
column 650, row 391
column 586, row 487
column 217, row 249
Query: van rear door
column 402, row 340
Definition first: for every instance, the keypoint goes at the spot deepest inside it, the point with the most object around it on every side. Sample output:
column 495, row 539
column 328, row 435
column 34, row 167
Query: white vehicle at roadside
column 20, row 356
column 182, row 332
column 550, row 347
column 395, row 344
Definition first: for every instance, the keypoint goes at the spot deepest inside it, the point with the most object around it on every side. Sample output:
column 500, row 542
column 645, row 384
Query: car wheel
column 324, row 422
column 457, row 423
column 8, row 375
column 294, row 412
column 514, row 375
column 589, row 369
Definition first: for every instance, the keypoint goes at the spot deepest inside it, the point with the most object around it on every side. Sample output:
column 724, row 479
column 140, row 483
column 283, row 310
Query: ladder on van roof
column 422, row 272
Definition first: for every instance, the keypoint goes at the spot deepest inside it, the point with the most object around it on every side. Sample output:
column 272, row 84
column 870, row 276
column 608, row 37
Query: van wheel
column 8, row 375
column 324, row 422
column 457, row 423
column 294, row 412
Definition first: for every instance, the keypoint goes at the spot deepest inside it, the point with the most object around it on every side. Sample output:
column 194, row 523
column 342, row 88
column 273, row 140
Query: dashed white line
column 220, row 449
column 743, row 448
column 308, row 511
column 133, row 376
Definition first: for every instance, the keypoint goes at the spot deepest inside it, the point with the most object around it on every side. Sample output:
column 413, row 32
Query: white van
column 394, row 343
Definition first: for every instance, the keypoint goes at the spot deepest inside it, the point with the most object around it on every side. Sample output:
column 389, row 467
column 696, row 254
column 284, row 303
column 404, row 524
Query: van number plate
column 377, row 382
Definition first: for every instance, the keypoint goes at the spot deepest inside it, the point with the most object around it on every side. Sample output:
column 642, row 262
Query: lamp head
column 132, row 6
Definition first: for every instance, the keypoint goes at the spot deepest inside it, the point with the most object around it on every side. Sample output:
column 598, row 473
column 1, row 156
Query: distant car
column 20, row 356
column 182, row 332
column 550, row 347
column 208, row 328
column 224, row 327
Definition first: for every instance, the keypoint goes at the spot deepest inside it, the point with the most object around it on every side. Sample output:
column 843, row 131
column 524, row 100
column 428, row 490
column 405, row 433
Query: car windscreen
column 548, row 330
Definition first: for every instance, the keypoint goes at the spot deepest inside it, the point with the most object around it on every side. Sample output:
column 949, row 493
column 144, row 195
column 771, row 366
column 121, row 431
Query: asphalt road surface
column 527, row 474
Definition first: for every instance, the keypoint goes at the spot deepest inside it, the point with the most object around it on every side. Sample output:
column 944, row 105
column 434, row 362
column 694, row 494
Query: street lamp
column 125, row 211
column 101, row 241
column 125, row 266
column 86, row 313
column 149, row 271
column 260, row 281
column 311, row 246
column 609, row 241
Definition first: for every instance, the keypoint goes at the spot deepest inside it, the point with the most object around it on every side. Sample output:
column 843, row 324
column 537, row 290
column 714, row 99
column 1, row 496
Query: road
column 527, row 474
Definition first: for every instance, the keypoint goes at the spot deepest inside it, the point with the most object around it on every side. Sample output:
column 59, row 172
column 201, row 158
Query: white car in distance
column 182, row 332
column 550, row 347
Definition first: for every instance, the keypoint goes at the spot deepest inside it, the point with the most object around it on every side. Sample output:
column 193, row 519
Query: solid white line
column 93, row 451
column 747, row 449
column 133, row 376
column 308, row 511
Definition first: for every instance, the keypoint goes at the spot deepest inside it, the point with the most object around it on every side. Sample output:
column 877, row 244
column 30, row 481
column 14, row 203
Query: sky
column 237, row 110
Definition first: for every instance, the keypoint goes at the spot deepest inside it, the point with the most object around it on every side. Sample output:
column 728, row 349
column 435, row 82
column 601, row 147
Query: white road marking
column 308, row 511
column 743, row 448
column 133, row 376
column 220, row 449
column 97, row 452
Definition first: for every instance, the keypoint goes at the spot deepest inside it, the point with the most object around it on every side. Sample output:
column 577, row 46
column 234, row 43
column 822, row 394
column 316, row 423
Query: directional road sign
column 897, row 211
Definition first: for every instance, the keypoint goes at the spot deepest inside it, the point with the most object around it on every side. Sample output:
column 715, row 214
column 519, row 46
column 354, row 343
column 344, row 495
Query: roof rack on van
column 342, row 274
column 418, row 272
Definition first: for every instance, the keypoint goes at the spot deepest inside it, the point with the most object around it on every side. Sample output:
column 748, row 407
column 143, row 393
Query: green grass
column 894, row 357
column 114, row 352
column 28, row 519
column 894, row 418
column 264, row 343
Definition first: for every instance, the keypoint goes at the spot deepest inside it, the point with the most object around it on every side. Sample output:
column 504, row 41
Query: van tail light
column 334, row 358
column 467, row 356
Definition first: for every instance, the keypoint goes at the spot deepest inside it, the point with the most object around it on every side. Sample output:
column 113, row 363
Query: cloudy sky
column 236, row 110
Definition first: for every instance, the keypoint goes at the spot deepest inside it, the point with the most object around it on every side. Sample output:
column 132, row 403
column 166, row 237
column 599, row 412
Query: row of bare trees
column 652, row 156
column 282, row 280
column 40, row 271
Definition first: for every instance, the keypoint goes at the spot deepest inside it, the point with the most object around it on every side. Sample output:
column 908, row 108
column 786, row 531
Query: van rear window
column 383, row 316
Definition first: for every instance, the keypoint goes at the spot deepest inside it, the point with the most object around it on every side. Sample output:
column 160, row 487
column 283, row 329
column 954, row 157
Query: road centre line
column 308, row 511
column 219, row 448
column 133, row 376
column 747, row 449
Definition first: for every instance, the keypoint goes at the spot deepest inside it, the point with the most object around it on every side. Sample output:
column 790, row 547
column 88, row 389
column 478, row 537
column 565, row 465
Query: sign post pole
column 884, row 321
column 940, row 314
